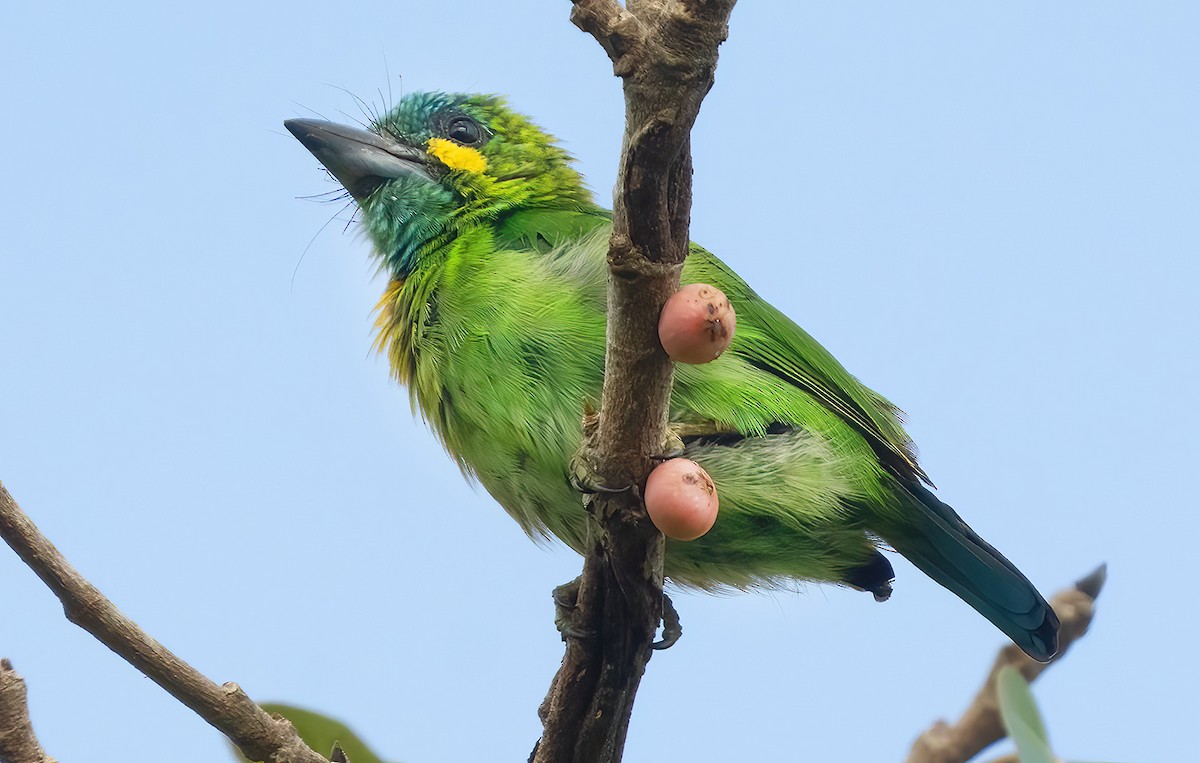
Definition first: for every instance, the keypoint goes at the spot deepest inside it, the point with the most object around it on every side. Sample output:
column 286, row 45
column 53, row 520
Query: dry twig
column 980, row 725
column 257, row 734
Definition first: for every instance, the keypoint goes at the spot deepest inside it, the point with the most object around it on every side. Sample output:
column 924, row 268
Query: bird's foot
column 566, row 598
column 585, row 481
column 582, row 475
column 672, row 629
column 672, row 448
column 581, row 471
column 591, row 488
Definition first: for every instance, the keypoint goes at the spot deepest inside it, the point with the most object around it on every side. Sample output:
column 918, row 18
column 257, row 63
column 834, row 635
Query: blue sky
column 987, row 211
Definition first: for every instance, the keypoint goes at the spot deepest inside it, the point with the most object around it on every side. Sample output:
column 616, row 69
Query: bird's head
column 439, row 162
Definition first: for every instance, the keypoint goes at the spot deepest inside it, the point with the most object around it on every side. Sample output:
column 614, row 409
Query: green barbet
column 494, row 317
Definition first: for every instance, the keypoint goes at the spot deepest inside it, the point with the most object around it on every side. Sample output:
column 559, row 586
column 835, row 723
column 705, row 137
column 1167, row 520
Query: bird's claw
column 672, row 629
column 566, row 599
column 589, row 488
column 583, row 478
column 672, row 448
column 566, row 596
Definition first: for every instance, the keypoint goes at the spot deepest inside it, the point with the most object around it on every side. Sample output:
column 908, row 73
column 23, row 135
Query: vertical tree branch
column 258, row 735
column 665, row 51
column 18, row 743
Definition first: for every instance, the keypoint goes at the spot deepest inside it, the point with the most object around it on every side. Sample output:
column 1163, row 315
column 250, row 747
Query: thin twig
column 257, row 734
column 980, row 725
column 18, row 743
column 665, row 51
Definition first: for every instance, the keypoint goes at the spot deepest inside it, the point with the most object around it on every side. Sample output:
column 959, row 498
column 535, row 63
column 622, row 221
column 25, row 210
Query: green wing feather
column 770, row 341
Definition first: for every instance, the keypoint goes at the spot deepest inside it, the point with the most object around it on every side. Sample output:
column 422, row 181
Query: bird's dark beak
column 360, row 160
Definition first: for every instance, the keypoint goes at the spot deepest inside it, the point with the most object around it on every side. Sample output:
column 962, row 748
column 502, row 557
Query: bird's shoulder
column 544, row 229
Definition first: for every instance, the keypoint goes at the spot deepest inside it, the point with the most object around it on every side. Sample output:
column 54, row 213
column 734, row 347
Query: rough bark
column 665, row 51
column 18, row 743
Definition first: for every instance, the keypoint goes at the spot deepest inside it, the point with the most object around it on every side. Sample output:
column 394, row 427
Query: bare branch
column 980, row 725
column 666, row 53
column 613, row 27
column 257, row 734
column 18, row 744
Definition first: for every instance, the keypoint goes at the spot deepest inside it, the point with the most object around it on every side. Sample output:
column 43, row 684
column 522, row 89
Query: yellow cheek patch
column 456, row 157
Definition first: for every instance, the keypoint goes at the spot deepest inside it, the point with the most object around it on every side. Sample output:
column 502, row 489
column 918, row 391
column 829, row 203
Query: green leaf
column 1021, row 717
column 321, row 733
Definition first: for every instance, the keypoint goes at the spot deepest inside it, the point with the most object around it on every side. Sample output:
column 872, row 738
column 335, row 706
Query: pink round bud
column 681, row 499
column 696, row 324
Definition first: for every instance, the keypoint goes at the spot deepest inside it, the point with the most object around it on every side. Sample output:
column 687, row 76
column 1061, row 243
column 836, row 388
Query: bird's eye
column 464, row 130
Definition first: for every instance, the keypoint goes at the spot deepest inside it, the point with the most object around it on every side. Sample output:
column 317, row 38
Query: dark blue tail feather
column 942, row 546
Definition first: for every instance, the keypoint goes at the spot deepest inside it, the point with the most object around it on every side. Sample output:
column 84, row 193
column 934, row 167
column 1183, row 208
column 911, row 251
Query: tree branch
column 665, row 51
column 980, row 725
column 257, row 734
column 18, row 743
